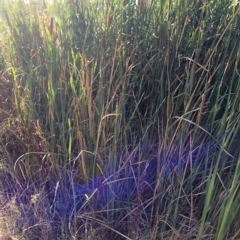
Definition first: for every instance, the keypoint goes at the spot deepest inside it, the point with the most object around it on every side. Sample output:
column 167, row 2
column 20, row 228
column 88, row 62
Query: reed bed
column 120, row 120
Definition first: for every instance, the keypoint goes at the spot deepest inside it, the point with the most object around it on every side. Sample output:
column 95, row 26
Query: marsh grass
column 120, row 120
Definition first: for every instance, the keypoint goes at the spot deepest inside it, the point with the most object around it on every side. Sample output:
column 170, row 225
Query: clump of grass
column 120, row 120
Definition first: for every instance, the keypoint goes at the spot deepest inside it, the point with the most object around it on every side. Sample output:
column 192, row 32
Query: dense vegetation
column 120, row 120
